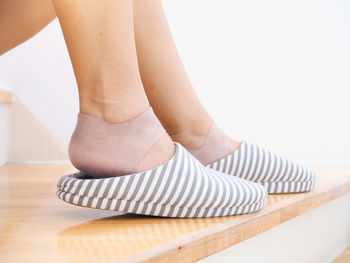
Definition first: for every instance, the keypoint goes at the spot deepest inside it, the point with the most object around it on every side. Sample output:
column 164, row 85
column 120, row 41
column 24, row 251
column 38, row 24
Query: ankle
column 192, row 134
column 206, row 144
column 114, row 111
column 215, row 146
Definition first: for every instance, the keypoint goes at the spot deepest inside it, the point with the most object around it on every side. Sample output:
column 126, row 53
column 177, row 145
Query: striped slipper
column 181, row 187
column 276, row 173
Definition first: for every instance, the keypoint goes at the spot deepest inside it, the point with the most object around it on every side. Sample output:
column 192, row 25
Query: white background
column 273, row 72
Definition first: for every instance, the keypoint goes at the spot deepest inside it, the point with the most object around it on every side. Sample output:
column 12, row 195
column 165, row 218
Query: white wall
column 273, row 72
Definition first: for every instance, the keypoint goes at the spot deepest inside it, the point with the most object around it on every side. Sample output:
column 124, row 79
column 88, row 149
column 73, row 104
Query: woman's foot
column 104, row 149
column 249, row 162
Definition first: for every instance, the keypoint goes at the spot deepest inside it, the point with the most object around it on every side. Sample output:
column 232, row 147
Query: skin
column 100, row 40
column 165, row 80
column 118, row 79
column 22, row 19
column 99, row 35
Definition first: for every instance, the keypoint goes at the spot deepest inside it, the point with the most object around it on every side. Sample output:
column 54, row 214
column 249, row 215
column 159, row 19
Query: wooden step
column 344, row 257
column 5, row 96
column 36, row 226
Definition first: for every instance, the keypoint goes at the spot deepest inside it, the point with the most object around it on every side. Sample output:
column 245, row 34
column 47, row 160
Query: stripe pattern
column 275, row 172
column 181, row 187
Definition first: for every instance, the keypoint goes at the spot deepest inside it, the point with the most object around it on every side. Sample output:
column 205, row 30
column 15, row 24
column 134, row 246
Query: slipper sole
column 141, row 208
column 288, row 187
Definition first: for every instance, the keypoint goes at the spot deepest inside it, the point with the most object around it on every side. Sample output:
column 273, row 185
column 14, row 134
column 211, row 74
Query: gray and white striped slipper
column 181, row 187
column 276, row 173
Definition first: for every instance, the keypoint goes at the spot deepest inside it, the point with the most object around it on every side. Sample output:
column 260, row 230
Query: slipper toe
column 275, row 172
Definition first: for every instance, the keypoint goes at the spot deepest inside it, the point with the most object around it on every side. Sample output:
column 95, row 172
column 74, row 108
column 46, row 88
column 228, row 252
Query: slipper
column 181, row 187
column 276, row 173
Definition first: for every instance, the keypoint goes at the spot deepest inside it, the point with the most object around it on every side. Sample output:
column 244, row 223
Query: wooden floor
column 35, row 226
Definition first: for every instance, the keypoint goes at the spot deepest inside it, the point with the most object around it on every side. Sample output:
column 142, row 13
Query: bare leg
column 100, row 39
column 22, row 19
column 163, row 75
column 165, row 80
column 167, row 85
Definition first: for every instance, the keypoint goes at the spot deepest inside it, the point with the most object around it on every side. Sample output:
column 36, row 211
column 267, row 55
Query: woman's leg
column 166, row 83
column 100, row 39
column 22, row 19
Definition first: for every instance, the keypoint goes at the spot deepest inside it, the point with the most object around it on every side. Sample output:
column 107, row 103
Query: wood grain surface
column 35, row 226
